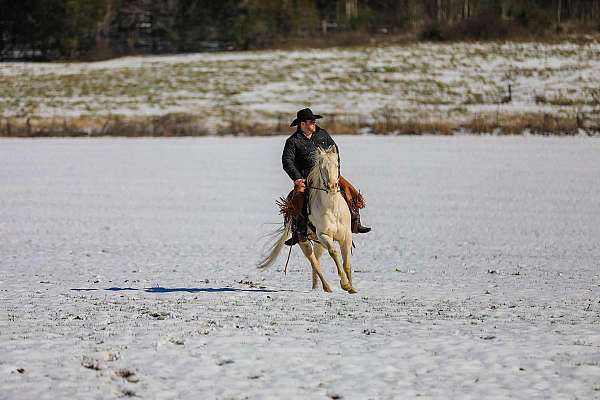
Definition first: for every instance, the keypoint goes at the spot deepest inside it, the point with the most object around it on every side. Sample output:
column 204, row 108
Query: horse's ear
column 331, row 149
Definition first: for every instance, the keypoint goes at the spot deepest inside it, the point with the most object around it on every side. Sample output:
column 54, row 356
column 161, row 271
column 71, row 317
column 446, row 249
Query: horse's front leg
column 307, row 249
column 346, row 247
column 327, row 242
column 318, row 250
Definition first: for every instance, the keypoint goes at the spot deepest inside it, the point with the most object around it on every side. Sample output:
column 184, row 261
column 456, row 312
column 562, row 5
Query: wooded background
column 95, row 29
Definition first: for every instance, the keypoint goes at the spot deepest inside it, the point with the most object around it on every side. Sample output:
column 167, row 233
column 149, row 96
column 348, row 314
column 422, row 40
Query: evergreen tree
column 45, row 29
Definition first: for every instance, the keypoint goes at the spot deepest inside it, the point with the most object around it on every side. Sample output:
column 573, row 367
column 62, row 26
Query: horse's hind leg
column 346, row 247
column 307, row 249
column 327, row 242
column 318, row 250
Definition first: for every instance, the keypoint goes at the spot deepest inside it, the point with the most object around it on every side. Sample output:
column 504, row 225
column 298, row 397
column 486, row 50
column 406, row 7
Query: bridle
column 323, row 181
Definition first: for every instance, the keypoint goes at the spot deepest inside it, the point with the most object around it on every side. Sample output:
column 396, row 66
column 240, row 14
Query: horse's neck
column 323, row 200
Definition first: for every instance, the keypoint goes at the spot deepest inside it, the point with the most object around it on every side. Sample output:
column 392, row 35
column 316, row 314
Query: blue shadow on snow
column 159, row 289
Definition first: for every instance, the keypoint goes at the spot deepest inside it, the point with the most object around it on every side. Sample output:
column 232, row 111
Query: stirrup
column 358, row 228
column 362, row 229
column 294, row 239
column 291, row 241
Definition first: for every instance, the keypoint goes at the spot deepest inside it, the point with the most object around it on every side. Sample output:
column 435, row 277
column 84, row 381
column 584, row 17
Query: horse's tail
column 283, row 232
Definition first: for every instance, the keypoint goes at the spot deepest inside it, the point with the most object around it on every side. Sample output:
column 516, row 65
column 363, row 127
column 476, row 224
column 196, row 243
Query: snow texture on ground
column 127, row 269
column 420, row 81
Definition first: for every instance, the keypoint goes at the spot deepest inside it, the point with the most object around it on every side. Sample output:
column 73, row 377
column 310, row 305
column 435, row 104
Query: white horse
column 330, row 217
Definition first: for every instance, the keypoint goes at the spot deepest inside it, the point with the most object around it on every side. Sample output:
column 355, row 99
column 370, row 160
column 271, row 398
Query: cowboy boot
column 299, row 230
column 299, row 226
column 293, row 240
column 355, row 222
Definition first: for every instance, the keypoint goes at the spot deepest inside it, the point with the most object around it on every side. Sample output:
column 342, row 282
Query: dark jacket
column 296, row 157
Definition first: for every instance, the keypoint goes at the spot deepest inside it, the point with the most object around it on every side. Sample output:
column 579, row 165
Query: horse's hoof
column 352, row 290
column 327, row 289
column 346, row 286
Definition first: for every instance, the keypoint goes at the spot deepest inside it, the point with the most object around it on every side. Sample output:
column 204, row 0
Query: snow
column 127, row 268
column 459, row 80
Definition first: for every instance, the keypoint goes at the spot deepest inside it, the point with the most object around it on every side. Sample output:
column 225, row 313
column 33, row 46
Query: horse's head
column 327, row 162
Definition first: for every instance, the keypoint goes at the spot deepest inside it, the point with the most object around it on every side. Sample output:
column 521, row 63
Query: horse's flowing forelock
column 314, row 176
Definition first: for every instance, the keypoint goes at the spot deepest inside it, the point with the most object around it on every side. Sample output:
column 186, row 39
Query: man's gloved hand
column 299, row 185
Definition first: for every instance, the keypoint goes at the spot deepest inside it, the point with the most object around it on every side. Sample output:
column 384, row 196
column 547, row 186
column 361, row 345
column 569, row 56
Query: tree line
column 77, row 29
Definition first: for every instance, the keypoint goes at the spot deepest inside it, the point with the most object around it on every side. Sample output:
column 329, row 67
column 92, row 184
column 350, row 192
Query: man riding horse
column 297, row 162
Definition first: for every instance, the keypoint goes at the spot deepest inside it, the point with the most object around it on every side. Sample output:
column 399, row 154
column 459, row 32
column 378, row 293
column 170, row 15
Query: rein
column 323, row 181
column 316, row 188
column 324, row 190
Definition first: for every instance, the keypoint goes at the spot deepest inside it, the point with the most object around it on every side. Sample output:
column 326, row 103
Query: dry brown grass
column 389, row 120
column 346, row 124
column 414, row 127
column 563, row 100
column 535, row 123
column 344, row 39
column 381, row 123
column 245, row 124
column 169, row 125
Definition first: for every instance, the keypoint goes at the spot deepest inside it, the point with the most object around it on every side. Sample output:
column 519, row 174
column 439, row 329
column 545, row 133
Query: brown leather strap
column 353, row 197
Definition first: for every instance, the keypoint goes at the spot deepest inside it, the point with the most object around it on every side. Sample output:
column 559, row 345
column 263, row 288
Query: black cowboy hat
column 304, row 115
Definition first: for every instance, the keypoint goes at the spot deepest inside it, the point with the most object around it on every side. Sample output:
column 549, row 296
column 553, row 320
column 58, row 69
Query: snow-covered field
column 127, row 269
column 421, row 81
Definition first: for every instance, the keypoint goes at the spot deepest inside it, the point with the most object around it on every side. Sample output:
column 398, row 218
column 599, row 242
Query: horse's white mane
column 330, row 154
